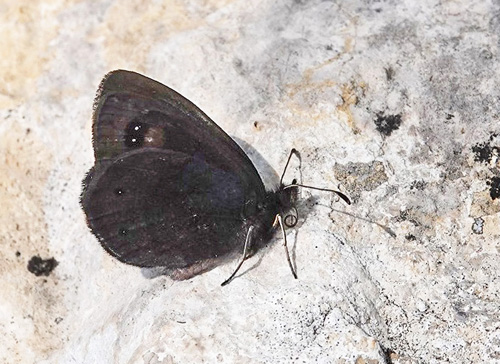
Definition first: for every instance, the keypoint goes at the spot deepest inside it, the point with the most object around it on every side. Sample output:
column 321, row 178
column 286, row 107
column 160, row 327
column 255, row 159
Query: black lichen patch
column 41, row 267
column 418, row 185
column 494, row 184
column 386, row 124
column 410, row 237
column 389, row 354
column 408, row 215
column 483, row 152
column 389, row 73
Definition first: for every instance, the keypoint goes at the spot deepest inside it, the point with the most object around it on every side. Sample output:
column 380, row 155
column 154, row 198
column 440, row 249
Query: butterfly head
column 287, row 198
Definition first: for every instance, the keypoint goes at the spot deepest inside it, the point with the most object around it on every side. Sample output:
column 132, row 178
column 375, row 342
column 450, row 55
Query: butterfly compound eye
column 290, row 220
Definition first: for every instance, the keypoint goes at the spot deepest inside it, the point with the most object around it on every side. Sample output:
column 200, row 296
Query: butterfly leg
column 245, row 249
column 279, row 220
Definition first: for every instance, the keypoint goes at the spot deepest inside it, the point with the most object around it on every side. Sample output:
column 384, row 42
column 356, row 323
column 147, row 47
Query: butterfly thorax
column 280, row 202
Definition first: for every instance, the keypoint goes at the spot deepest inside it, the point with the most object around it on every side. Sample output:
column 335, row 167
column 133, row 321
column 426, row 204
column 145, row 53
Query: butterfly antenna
column 245, row 249
column 279, row 220
column 340, row 194
column 292, row 152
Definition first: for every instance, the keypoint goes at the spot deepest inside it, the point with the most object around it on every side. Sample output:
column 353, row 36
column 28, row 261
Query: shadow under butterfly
column 170, row 188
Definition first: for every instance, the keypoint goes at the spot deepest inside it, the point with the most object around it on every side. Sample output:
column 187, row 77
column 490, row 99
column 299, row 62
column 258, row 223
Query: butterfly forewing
column 133, row 111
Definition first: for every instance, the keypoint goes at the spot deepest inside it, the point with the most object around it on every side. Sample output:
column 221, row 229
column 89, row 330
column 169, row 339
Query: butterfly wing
column 169, row 187
column 132, row 111
column 158, row 207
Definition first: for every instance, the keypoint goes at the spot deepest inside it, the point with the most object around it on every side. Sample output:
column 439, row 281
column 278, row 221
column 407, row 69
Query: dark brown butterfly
column 169, row 187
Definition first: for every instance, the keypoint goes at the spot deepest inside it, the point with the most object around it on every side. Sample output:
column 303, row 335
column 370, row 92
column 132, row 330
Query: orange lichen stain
column 349, row 99
column 130, row 28
column 483, row 205
column 307, row 84
column 27, row 27
column 491, row 224
column 394, row 356
column 305, row 94
column 348, row 45
column 361, row 360
column 25, row 164
column 30, row 302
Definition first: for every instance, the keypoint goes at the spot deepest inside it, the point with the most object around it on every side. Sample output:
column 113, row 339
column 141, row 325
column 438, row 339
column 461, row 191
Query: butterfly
column 169, row 188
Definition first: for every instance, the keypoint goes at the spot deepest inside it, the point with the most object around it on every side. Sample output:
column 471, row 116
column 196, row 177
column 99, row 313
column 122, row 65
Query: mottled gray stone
column 394, row 102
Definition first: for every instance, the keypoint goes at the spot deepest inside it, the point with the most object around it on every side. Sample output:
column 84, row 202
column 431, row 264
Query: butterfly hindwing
column 163, row 208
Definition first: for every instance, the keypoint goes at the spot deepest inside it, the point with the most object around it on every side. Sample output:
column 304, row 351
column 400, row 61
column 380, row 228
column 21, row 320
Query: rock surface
column 396, row 102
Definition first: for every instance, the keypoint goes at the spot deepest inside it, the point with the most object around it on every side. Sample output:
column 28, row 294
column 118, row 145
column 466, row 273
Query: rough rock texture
column 395, row 101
